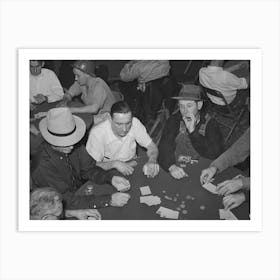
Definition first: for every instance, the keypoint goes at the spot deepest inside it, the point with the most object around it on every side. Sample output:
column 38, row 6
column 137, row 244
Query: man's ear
column 199, row 105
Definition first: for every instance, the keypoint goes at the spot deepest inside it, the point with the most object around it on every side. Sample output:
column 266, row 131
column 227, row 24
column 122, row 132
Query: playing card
column 226, row 215
column 145, row 190
column 168, row 213
column 150, row 200
column 210, row 187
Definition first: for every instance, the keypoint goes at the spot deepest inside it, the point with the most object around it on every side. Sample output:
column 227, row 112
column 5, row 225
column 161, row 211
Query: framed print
column 154, row 83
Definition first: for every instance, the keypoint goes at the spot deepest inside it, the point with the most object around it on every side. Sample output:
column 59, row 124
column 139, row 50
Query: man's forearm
column 152, row 153
column 106, row 165
column 91, row 109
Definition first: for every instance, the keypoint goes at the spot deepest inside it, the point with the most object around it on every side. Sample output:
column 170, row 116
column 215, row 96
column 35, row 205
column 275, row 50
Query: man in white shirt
column 44, row 84
column 221, row 79
column 113, row 142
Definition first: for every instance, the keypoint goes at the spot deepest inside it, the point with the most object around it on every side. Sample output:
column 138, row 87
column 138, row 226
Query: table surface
column 45, row 106
column 164, row 185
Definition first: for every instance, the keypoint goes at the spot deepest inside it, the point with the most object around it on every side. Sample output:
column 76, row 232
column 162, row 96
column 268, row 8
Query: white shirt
column 104, row 145
column 216, row 78
column 145, row 70
column 47, row 84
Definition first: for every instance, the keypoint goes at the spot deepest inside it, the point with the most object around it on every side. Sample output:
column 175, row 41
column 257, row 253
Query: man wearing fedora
column 65, row 165
column 189, row 132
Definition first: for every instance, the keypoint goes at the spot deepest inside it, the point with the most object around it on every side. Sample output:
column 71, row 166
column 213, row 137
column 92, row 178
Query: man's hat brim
column 63, row 141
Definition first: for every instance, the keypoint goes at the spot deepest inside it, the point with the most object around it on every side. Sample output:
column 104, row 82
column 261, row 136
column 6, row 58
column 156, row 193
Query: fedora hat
column 189, row 92
column 61, row 128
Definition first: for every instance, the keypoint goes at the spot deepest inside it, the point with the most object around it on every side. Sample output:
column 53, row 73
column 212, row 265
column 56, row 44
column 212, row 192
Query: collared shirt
column 216, row 78
column 95, row 92
column 47, row 84
column 104, row 145
column 145, row 70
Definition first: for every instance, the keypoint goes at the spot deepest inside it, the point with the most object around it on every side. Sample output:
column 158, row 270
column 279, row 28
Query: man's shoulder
column 101, row 128
column 48, row 72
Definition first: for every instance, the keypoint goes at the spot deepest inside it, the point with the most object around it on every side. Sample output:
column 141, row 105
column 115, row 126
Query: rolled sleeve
column 141, row 135
column 95, row 148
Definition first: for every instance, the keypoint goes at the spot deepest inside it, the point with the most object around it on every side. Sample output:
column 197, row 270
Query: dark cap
column 189, row 92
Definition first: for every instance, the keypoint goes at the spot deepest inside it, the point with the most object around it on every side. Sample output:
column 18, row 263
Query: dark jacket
column 206, row 139
column 53, row 170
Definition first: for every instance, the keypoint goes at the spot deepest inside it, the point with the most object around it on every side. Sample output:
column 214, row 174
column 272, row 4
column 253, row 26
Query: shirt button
column 61, row 157
column 94, row 206
column 106, row 204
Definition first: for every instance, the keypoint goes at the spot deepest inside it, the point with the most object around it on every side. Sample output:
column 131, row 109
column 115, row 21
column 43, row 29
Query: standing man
column 66, row 166
column 221, row 79
column 113, row 142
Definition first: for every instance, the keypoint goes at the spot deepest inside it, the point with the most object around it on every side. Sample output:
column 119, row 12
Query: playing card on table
column 145, row 190
column 168, row 213
column 210, row 187
column 226, row 215
column 150, row 200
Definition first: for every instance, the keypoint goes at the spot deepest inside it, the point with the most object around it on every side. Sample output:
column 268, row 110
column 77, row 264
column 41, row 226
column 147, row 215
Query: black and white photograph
column 139, row 139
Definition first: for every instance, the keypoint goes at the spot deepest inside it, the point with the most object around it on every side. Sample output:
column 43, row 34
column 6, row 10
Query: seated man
column 189, row 132
column 46, row 204
column 112, row 143
column 66, row 167
column 221, row 79
column 95, row 93
column 147, row 84
column 236, row 191
column 44, row 84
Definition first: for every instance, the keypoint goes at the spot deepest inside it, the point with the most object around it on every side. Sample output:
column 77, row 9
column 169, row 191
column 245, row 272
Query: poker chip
column 185, row 212
column 202, row 207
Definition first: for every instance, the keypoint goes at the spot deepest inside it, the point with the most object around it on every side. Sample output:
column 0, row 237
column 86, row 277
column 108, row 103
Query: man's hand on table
column 177, row 172
column 119, row 199
column 151, row 169
column 229, row 186
column 126, row 168
column 120, row 183
column 207, row 175
column 40, row 98
column 84, row 214
column 233, row 200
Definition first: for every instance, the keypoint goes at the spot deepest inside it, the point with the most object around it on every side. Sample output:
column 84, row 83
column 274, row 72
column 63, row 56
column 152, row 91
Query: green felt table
column 163, row 185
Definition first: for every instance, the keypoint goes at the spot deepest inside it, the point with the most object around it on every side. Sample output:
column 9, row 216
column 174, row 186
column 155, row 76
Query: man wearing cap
column 113, row 142
column 189, row 132
column 44, row 84
column 95, row 93
column 65, row 167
